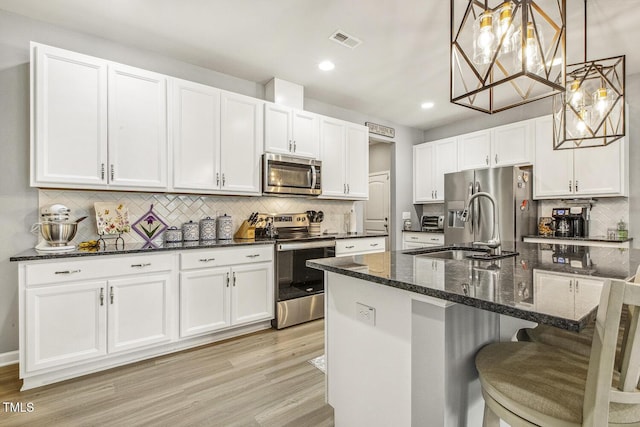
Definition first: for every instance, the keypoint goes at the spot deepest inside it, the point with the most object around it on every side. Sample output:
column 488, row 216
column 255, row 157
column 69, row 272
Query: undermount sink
column 462, row 254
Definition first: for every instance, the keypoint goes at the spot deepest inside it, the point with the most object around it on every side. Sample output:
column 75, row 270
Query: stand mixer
column 56, row 229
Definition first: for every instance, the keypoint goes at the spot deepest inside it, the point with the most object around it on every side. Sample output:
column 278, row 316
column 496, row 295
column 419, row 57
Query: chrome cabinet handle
column 206, row 259
column 432, row 194
column 234, row 278
column 413, row 238
column 577, row 290
column 436, row 194
column 576, row 185
column 290, row 145
column 223, row 180
column 68, row 271
column 252, row 255
column 350, row 247
column 217, row 178
column 496, row 159
column 113, row 172
column 102, row 171
column 486, row 160
column 101, row 296
column 373, row 245
column 111, row 295
column 570, row 285
column 344, row 188
column 227, row 280
column 348, row 189
column 140, row 265
column 569, row 185
column 294, row 146
column 433, row 239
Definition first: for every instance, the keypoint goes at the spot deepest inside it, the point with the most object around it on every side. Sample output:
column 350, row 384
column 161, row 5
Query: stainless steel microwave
column 291, row 175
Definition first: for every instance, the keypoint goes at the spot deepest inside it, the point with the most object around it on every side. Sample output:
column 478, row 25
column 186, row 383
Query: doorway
column 377, row 210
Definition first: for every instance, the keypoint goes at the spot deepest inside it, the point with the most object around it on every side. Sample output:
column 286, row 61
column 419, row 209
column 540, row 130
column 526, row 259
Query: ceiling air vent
column 345, row 39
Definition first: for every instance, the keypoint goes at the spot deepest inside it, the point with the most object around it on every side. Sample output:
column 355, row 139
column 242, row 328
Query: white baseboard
column 8, row 358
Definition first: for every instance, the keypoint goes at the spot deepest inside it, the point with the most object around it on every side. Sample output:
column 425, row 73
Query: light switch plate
column 406, row 215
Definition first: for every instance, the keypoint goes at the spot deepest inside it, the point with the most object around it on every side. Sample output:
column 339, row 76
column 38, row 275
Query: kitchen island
column 402, row 328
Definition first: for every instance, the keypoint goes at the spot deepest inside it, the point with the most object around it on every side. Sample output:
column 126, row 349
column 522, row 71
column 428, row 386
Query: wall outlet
column 406, row 215
column 366, row 314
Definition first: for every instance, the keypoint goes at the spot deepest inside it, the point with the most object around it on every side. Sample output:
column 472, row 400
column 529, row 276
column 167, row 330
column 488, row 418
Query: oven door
column 300, row 289
column 291, row 175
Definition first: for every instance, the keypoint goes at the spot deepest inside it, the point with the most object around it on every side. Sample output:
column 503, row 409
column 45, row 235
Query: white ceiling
column 402, row 62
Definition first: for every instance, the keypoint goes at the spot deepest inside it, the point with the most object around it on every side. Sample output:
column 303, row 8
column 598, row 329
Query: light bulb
column 601, row 100
column 581, row 124
column 484, row 37
column 531, row 51
column 576, row 95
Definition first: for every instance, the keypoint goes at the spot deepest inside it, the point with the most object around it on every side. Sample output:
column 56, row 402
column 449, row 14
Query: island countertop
column 505, row 286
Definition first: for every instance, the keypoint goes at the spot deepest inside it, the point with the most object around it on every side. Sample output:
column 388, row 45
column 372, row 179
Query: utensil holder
column 314, row 228
column 245, row 231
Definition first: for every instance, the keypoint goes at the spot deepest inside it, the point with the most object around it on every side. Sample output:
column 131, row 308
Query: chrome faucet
column 494, row 242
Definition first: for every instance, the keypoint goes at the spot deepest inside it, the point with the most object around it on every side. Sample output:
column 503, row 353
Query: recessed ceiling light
column 326, row 65
column 427, row 105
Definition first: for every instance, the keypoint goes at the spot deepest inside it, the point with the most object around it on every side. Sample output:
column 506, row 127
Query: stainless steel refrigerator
column 510, row 186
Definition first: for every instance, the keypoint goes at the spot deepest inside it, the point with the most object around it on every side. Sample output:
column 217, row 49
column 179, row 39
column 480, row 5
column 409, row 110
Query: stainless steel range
column 299, row 290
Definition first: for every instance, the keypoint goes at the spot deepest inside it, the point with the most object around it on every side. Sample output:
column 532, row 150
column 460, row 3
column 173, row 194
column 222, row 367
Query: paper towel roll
column 352, row 221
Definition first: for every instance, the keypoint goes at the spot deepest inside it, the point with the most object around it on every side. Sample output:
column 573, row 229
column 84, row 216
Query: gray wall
column 379, row 157
column 18, row 202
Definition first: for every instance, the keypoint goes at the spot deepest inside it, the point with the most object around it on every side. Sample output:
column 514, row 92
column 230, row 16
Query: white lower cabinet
column 360, row 246
column 555, row 293
column 416, row 239
column 251, row 293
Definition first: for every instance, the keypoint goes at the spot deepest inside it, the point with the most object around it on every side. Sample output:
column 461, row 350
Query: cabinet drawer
column 361, row 245
column 430, row 238
column 225, row 256
column 74, row 270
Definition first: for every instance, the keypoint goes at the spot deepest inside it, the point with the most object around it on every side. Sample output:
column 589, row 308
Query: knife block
column 245, row 231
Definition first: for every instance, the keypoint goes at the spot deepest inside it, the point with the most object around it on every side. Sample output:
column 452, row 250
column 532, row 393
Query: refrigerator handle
column 476, row 206
column 466, row 203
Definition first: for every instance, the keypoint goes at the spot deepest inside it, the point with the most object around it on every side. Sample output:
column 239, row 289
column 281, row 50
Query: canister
column 190, row 231
column 208, row 228
column 173, row 235
column 224, row 227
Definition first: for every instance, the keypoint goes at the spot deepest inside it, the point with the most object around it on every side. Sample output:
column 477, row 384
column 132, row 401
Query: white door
column 277, row 129
column 376, row 208
column 474, row 149
column 357, row 154
column 597, row 170
column 195, row 112
column 306, row 134
column 553, row 174
column 511, row 144
column 241, row 142
column 70, row 113
column 65, row 324
column 138, row 312
column 445, row 161
column 252, row 296
column 204, row 301
column 423, row 185
column 137, row 128
column 332, row 135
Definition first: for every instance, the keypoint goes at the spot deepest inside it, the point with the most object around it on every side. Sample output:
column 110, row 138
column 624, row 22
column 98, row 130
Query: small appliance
column 571, row 222
column 432, row 222
column 287, row 175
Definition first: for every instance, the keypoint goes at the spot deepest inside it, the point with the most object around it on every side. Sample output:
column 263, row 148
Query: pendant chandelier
column 591, row 112
column 506, row 55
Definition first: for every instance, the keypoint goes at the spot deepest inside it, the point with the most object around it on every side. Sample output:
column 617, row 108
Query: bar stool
column 532, row 383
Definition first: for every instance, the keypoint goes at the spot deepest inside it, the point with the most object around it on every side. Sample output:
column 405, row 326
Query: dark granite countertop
column 584, row 239
column 34, row 255
column 439, row 231
column 504, row 286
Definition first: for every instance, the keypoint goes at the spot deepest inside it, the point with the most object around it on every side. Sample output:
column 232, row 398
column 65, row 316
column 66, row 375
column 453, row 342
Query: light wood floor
column 263, row 379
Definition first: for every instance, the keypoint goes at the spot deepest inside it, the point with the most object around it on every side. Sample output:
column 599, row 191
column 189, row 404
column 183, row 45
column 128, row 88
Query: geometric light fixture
column 506, row 53
column 591, row 112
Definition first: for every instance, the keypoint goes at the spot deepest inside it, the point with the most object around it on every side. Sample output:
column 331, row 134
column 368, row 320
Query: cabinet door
column 511, row 144
column 599, row 170
column 277, row 129
column 423, row 185
column 196, row 136
column 332, row 133
column 553, row 174
column 137, row 128
column 252, row 293
column 65, row 324
column 474, row 150
column 587, row 292
column 357, row 167
column 553, row 294
column 445, row 161
column 204, row 301
column 306, row 134
column 241, row 143
column 69, row 100
column 138, row 312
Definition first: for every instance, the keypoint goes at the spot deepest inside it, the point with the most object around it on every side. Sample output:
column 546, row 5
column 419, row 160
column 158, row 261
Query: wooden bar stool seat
column 532, row 383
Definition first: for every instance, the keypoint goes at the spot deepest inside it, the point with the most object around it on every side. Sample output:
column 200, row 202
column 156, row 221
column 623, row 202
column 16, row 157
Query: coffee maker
column 571, row 222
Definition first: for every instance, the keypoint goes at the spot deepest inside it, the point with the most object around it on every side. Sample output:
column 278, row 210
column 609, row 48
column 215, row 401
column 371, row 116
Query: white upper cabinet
column 291, row 131
column 500, row 146
column 431, row 161
column 241, row 142
column 69, row 118
column 345, row 159
column 195, row 113
column 580, row 172
column 137, row 128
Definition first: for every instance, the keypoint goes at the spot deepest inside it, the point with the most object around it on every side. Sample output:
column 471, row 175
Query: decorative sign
column 381, row 130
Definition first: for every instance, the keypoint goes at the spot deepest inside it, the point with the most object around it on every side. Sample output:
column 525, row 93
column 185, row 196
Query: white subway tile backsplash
column 606, row 212
column 178, row 209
